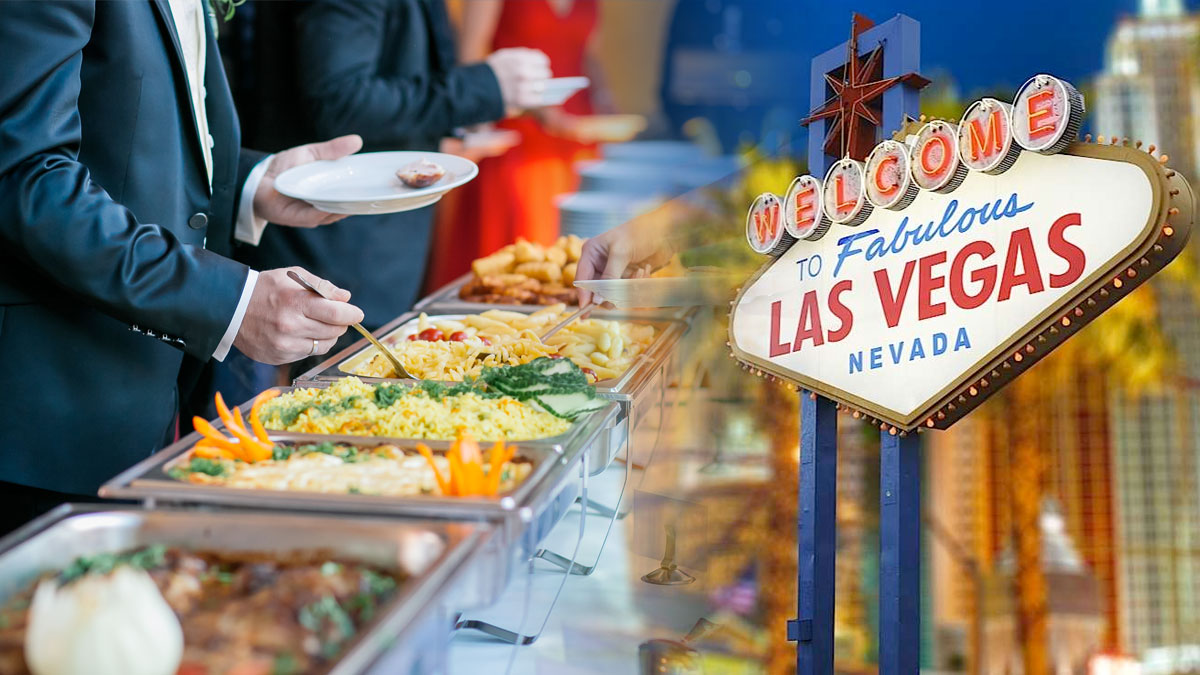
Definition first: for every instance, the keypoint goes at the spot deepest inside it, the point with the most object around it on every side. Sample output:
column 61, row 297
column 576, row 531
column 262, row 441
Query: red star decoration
column 855, row 108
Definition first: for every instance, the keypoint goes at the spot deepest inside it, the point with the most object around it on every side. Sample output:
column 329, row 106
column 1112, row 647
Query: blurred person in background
column 514, row 195
column 387, row 69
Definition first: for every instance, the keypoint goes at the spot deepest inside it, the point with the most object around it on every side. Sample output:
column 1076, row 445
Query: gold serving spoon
column 387, row 353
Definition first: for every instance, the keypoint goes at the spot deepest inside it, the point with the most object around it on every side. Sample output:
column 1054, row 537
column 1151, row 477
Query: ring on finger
column 315, row 347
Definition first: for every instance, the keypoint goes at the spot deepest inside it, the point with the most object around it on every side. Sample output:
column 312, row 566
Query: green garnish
column 146, row 558
column 330, row 568
column 209, row 467
column 285, row 664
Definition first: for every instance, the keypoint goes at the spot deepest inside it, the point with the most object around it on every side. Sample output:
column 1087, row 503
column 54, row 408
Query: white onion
column 113, row 624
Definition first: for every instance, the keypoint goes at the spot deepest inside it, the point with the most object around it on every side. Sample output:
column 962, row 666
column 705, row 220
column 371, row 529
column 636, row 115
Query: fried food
column 526, row 273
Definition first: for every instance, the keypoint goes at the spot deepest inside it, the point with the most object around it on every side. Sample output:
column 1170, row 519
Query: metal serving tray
column 523, row 516
column 447, row 301
column 411, row 633
column 640, row 390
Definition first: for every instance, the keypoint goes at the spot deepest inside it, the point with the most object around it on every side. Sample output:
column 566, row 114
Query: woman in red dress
column 514, row 194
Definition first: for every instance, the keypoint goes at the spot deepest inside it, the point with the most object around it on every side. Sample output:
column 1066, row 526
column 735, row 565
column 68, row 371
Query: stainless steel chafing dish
column 409, row 635
column 522, row 516
column 446, row 300
column 640, row 391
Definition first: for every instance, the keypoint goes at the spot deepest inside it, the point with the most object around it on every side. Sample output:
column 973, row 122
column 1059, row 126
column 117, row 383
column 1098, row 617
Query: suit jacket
column 105, row 212
column 383, row 69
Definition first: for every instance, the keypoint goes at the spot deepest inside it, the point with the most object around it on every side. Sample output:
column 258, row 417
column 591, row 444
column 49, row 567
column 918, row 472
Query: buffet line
column 345, row 523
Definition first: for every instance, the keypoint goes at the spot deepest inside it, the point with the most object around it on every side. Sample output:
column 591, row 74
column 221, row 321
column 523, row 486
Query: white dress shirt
column 189, row 20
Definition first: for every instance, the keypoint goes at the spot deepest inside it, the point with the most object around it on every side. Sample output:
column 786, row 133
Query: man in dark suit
column 386, row 70
column 121, row 182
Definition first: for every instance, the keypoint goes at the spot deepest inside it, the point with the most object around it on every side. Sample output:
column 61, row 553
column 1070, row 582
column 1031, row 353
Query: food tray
column 409, row 635
column 446, row 301
column 640, row 390
column 523, row 516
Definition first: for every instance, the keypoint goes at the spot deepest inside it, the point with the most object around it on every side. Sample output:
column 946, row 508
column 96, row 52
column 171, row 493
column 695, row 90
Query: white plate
column 559, row 89
column 366, row 183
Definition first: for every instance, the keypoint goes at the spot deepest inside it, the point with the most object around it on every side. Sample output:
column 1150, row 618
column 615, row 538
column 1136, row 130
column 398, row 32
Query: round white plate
column 559, row 89
column 366, row 183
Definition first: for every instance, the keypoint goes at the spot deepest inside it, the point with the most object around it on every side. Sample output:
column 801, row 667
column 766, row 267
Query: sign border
column 1163, row 236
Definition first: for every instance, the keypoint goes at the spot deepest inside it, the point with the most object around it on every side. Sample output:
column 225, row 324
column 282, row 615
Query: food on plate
column 380, row 470
column 537, row 400
column 158, row 611
column 422, row 173
column 453, row 349
column 526, row 273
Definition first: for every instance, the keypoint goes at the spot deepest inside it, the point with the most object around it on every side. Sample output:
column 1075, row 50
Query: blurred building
column 1150, row 90
column 1074, row 617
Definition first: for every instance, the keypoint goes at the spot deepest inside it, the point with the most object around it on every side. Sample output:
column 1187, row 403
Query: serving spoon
column 387, row 353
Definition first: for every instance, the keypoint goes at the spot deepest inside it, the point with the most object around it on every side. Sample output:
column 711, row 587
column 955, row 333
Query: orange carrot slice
column 210, row 452
column 496, row 468
column 443, row 484
column 260, row 431
column 456, row 473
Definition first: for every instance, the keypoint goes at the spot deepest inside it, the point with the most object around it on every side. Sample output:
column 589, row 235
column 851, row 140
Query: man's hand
column 274, row 207
column 283, row 318
column 522, row 74
column 640, row 241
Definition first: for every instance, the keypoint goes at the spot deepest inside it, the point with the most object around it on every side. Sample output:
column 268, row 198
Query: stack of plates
column 588, row 214
column 629, row 177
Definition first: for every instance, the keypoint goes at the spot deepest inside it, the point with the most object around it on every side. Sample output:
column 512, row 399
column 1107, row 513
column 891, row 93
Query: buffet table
column 480, row 559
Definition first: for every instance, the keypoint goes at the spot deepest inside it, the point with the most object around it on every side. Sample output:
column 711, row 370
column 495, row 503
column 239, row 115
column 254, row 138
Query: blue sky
column 985, row 44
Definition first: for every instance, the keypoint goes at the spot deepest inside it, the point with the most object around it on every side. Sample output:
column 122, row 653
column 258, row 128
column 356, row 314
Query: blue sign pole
column 900, row 534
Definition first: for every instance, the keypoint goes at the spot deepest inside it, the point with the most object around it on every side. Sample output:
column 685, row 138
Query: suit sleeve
column 341, row 43
column 64, row 225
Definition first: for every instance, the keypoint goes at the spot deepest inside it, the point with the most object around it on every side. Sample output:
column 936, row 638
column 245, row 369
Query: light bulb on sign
column 843, row 193
column 934, row 161
column 764, row 226
column 803, row 214
column 889, row 180
column 1047, row 113
column 985, row 138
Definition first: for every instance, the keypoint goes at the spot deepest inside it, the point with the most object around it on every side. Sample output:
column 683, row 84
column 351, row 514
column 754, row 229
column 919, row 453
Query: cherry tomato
column 458, row 336
column 590, row 373
column 412, row 338
column 484, row 340
column 430, row 335
column 556, row 355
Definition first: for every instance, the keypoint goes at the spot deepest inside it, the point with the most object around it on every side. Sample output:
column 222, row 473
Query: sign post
column 911, row 279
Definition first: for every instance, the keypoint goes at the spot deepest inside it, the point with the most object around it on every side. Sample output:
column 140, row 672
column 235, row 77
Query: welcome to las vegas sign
column 914, row 285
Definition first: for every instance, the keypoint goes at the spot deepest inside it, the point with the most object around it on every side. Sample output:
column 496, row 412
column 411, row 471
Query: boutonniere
column 227, row 7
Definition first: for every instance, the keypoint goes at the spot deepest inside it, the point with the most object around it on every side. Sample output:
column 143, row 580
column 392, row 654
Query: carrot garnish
column 260, row 432
column 443, row 484
column 457, row 479
column 496, row 468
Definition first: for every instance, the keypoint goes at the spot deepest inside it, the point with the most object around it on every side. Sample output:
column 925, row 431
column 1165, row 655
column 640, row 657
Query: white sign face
column 901, row 309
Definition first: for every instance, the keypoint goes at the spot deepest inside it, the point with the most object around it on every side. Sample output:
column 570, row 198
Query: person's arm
column 66, row 226
column 479, row 21
column 341, row 42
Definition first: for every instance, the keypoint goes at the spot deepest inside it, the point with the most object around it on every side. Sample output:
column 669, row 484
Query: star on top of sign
column 857, row 87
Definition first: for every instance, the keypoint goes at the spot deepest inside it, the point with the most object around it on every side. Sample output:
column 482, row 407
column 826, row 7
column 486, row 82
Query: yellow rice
column 413, row 415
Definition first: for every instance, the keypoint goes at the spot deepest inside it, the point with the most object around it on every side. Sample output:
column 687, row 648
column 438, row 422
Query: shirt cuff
column 250, row 228
column 238, row 315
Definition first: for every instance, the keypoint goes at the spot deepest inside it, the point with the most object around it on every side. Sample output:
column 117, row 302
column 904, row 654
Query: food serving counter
column 522, row 516
column 640, row 391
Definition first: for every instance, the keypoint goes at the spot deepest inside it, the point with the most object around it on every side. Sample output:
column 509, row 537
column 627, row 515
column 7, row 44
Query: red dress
column 514, row 194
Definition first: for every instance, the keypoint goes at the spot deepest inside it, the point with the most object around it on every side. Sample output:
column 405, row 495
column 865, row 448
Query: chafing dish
column 522, row 516
column 410, row 633
column 640, row 391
